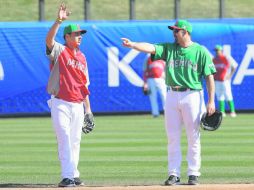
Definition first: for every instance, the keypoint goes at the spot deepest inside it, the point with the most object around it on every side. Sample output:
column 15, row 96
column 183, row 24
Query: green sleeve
column 209, row 67
column 160, row 52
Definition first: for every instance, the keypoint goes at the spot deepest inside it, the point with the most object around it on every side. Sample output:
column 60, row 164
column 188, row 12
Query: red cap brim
column 174, row 27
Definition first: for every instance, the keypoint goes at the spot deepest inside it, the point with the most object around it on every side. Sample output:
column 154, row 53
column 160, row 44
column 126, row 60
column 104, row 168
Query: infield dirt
column 177, row 187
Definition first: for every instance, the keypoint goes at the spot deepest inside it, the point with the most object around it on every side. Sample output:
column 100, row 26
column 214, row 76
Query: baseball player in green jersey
column 187, row 63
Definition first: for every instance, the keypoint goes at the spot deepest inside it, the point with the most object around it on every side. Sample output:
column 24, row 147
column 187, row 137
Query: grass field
column 27, row 10
column 123, row 150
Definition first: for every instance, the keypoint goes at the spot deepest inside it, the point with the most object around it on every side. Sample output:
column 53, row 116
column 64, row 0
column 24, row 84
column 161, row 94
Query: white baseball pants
column 223, row 90
column 184, row 108
column 67, row 119
column 157, row 85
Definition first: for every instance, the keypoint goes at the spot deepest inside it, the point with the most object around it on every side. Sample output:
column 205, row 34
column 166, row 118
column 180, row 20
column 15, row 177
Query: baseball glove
column 146, row 91
column 88, row 123
column 212, row 122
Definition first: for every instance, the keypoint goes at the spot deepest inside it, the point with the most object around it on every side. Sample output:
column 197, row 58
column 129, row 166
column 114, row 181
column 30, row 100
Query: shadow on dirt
column 17, row 185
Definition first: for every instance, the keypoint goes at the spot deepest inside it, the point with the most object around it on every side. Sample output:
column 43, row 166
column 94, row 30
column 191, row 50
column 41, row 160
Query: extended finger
column 125, row 39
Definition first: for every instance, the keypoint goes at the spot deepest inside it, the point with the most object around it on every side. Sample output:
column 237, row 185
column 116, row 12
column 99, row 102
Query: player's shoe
column 172, row 180
column 78, row 182
column 233, row 114
column 224, row 114
column 193, row 180
column 66, row 182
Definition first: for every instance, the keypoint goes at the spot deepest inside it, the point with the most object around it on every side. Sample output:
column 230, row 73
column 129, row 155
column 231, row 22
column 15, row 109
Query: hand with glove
column 146, row 90
column 88, row 123
column 212, row 122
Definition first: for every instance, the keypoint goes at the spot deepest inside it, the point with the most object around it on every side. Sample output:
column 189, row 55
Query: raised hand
column 63, row 12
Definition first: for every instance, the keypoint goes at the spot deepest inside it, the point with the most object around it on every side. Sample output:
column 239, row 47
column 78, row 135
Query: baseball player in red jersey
column 225, row 71
column 68, row 85
column 154, row 81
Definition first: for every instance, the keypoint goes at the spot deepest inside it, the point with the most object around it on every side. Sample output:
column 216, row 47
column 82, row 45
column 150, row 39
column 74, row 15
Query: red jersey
column 69, row 75
column 154, row 69
column 222, row 65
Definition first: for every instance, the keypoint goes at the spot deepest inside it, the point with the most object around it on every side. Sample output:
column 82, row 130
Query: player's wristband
column 58, row 20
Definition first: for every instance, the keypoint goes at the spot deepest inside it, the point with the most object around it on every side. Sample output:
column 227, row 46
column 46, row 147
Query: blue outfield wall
column 115, row 71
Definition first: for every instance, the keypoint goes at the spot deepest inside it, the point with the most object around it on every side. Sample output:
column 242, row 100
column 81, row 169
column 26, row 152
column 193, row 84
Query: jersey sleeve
column 86, row 72
column 87, row 77
column 160, row 52
column 55, row 52
column 208, row 65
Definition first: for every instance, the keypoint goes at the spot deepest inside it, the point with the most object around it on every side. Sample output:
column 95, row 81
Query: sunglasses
column 176, row 30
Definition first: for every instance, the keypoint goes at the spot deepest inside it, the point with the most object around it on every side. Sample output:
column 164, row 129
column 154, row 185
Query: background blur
column 28, row 10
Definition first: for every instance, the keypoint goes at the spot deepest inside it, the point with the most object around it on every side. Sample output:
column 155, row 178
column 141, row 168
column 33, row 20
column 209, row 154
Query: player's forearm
column 50, row 39
column 87, row 105
column 144, row 47
column 210, row 108
column 139, row 46
column 233, row 70
column 210, row 88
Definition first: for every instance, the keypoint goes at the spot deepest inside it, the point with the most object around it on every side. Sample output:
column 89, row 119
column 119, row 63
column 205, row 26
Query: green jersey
column 185, row 66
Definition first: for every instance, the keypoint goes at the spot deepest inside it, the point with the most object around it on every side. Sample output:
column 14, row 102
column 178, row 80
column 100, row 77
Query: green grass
column 27, row 10
column 123, row 150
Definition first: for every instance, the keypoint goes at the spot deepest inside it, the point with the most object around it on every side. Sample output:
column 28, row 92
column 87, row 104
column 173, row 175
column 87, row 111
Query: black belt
column 179, row 89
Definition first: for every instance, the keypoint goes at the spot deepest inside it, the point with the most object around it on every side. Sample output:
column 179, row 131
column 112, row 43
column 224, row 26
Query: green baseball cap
column 218, row 47
column 73, row 28
column 181, row 25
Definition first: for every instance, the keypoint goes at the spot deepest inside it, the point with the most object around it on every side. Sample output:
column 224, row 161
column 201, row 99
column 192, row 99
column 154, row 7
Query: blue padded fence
column 115, row 71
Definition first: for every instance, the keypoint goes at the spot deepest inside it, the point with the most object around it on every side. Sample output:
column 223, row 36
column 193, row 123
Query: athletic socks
column 222, row 106
column 231, row 106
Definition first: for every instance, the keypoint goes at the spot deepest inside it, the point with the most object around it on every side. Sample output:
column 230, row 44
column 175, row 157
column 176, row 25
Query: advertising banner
column 115, row 71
